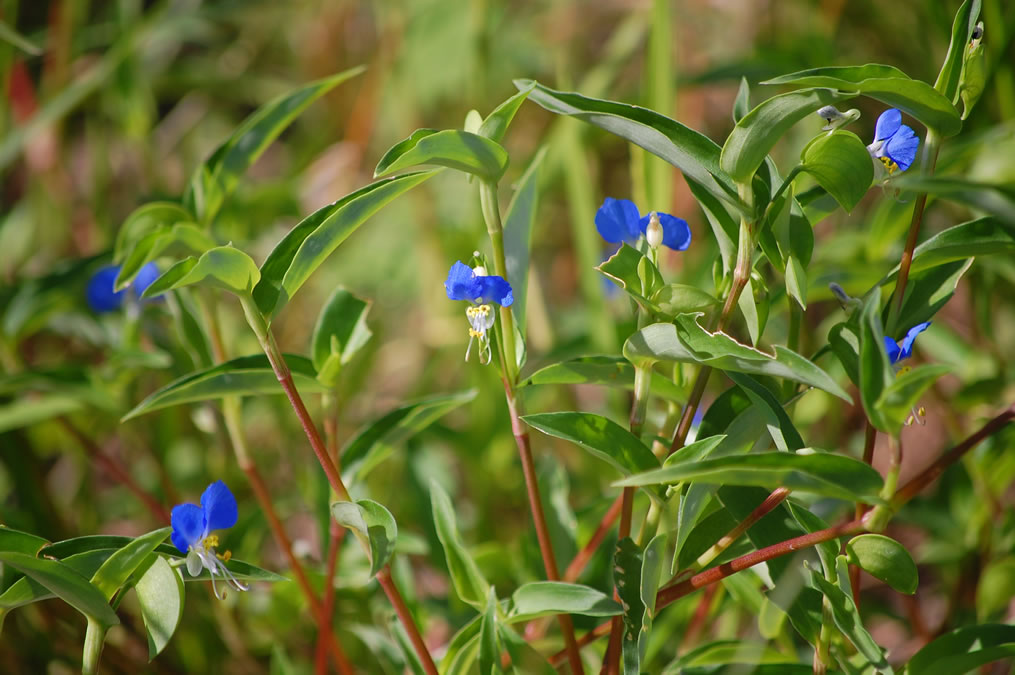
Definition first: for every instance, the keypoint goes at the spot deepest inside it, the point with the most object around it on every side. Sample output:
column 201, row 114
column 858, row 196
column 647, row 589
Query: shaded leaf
column 64, row 583
column 611, row 371
column 375, row 523
column 340, row 332
column 518, row 222
column 840, row 163
column 545, row 598
column 964, row 649
column 470, row 585
column 160, row 594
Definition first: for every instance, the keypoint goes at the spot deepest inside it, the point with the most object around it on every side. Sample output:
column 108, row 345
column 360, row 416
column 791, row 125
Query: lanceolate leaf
column 604, row 438
column 962, row 31
column 964, row 650
column 518, row 222
column 309, row 244
column 984, row 236
column 469, row 582
column 993, row 199
column 611, row 371
column 688, row 342
column 757, row 133
column 888, row 85
column 694, row 154
column 65, row 583
column 376, row 441
column 118, row 568
column 153, row 244
column 460, row 150
column 244, row 376
column 926, row 293
column 340, row 332
column 218, row 176
column 224, row 267
column 145, row 220
column 160, row 594
column 545, row 598
column 819, row 473
column 495, row 125
column 875, row 368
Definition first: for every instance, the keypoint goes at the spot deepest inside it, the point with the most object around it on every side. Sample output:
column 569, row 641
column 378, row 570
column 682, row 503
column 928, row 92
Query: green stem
column 494, row 227
column 95, row 638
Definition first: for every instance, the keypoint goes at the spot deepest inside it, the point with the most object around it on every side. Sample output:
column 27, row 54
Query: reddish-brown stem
column 869, row 440
column 697, row 622
column 318, row 609
column 611, row 663
column 285, row 378
column 336, row 534
column 778, row 496
column 581, row 560
column 539, row 520
column 118, row 472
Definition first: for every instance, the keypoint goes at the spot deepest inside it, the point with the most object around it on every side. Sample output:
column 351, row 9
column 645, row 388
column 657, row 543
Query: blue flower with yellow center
column 618, row 220
column 99, row 292
column 897, row 351
column 480, row 289
column 192, row 526
column 895, row 144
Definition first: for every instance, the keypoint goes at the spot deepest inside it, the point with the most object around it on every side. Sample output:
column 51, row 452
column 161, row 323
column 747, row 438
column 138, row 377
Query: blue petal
column 188, row 525
column 145, row 276
column 461, row 283
column 887, row 124
column 901, row 147
column 617, row 220
column 99, row 293
column 893, row 350
column 220, row 511
column 676, row 233
column 495, row 289
column 907, row 342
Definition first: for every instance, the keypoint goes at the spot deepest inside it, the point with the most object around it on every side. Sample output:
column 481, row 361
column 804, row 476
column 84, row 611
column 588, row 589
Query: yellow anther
column 224, row 557
column 889, row 164
column 905, row 369
column 211, row 541
column 922, row 411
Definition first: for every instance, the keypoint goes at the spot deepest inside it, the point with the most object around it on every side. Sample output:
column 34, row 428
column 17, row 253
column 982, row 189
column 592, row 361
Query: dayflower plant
column 192, row 526
column 618, row 220
column 895, row 144
column 479, row 288
column 897, row 351
column 99, row 292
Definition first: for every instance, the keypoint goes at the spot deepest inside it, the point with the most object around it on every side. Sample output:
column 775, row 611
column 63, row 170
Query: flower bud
column 480, row 271
column 973, row 71
column 654, row 231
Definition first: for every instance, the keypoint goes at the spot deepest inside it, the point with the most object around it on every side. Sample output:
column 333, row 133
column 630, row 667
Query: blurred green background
column 111, row 104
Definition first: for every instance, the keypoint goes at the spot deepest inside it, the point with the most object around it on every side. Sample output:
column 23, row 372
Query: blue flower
column 480, row 289
column 100, row 295
column 618, row 220
column 192, row 526
column 895, row 144
column 903, row 350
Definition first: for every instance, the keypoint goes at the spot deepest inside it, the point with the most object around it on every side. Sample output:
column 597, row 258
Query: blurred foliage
column 124, row 99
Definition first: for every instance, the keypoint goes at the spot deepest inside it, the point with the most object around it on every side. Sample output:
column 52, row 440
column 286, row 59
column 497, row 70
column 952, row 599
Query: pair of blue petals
column 897, row 351
column 899, row 141
column 618, row 220
column 192, row 523
column 100, row 295
column 464, row 284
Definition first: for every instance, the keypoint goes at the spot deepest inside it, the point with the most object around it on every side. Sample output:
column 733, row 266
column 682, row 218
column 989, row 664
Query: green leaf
column 896, row 402
column 223, row 267
column 885, row 559
column 12, row 37
column 962, row 32
column 875, row 369
column 27, row 590
column 495, row 125
column 780, row 426
column 993, row 199
column 688, row 342
column 30, row 410
column 995, row 588
column 521, row 215
column 627, row 564
column 694, row 154
column 611, row 371
column 455, row 149
column 215, row 179
column 652, row 567
column 757, row 133
column 841, row 164
column 489, row 652
column 375, row 442
column 160, row 594
column 926, row 293
column 340, row 332
column 633, row 272
column 118, row 567
column 847, row 618
column 697, row 451
column 604, row 438
column 796, row 281
column 309, row 244
column 145, row 220
column 727, row 652
column 546, row 598
column 470, row 585
column 243, row 376
column 963, row 650
column 984, row 236
column 375, row 523
column 65, row 583
column 525, row 660
column 886, row 84
column 742, row 103
column 155, row 243
column 461, row 649
column 823, row 474
column 674, row 299
column 725, row 228
column 844, row 340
